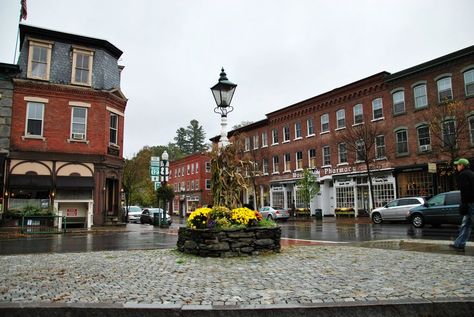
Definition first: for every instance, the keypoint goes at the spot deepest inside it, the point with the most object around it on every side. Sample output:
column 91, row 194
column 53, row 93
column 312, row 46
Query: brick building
column 67, row 127
column 190, row 178
column 407, row 160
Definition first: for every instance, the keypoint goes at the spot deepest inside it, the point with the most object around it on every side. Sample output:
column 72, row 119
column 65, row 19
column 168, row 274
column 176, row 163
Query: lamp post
column 223, row 92
column 164, row 173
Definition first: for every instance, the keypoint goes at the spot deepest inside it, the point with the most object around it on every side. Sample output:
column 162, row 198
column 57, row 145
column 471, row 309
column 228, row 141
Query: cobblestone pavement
column 297, row 275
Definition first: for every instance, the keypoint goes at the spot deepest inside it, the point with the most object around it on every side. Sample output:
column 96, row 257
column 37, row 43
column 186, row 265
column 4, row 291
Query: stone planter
column 230, row 242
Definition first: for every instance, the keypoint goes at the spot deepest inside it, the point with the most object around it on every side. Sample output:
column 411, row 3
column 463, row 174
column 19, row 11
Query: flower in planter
column 220, row 217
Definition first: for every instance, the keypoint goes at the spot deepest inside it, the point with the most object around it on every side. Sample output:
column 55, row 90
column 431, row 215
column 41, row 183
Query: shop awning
column 30, row 181
column 72, row 182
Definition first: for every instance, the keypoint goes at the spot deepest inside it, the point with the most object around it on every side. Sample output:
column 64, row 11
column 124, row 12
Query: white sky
column 278, row 52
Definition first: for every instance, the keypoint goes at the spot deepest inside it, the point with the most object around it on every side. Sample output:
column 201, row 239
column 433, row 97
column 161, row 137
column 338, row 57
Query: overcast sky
column 277, row 52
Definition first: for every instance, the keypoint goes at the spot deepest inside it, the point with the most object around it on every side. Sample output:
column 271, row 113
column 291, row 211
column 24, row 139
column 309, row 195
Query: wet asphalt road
column 138, row 236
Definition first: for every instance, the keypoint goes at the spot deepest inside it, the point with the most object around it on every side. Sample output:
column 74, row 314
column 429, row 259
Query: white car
column 148, row 215
column 274, row 213
column 134, row 213
column 396, row 210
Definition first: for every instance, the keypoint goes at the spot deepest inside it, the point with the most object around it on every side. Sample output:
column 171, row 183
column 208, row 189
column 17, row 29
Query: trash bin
column 318, row 213
column 157, row 219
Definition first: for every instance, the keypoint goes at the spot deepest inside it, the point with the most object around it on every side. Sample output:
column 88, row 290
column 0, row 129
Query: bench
column 75, row 221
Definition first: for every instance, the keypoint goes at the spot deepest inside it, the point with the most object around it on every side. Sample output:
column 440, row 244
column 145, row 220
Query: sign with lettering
column 154, row 171
column 71, row 212
column 155, row 161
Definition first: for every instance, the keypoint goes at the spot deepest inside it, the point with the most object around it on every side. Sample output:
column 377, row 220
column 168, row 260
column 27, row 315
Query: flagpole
column 16, row 45
column 23, row 15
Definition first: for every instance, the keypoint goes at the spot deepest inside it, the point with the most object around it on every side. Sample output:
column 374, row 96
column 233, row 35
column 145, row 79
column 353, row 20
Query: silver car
column 134, row 213
column 396, row 210
column 274, row 213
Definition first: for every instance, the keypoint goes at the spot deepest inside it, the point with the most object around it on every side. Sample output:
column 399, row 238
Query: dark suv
column 441, row 209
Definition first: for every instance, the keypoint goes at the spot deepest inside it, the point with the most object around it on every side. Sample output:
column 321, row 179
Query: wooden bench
column 75, row 221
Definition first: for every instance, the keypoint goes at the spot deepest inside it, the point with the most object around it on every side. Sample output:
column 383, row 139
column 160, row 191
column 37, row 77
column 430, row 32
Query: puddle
column 415, row 246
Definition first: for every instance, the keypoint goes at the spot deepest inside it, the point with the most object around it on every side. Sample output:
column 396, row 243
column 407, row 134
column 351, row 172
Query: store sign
column 277, row 188
column 380, row 179
column 71, row 212
column 339, row 170
column 432, row 168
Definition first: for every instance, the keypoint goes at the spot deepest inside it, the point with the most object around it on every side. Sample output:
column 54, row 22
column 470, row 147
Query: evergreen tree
column 195, row 137
column 182, row 140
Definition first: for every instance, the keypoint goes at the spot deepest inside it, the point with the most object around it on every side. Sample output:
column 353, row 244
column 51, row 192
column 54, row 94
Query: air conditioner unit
column 78, row 136
column 425, row 148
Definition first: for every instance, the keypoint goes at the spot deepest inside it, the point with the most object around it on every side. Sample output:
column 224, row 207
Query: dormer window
column 82, row 67
column 39, row 59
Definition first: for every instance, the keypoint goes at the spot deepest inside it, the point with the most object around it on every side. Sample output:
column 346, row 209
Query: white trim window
column 445, row 91
column 358, row 114
column 326, row 156
column 247, row 144
column 298, row 133
column 113, row 130
column 255, row 142
column 299, row 160
column 34, row 119
column 341, row 118
column 197, row 167
column 265, row 166
column 276, row 164
column 424, row 140
column 264, row 139
column 312, row 158
column 398, row 98
column 360, row 151
column 325, row 123
column 402, row 141
column 82, row 67
column 287, row 162
column 78, row 123
column 469, row 82
column 471, row 129
column 380, row 147
column 39, row 60
column 286, row 134
column 208, row 184
column 208, row 167
column 377, row 109
column 420, row 95
column 449, row 134
column 342, row 153
column 275, row 136
column 310, row 127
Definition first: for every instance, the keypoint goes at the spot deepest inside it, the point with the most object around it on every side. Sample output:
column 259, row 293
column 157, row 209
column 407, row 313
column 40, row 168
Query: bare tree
column 130, row 182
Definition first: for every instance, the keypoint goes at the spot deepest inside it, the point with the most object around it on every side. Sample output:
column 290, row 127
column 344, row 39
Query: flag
column 23, row 12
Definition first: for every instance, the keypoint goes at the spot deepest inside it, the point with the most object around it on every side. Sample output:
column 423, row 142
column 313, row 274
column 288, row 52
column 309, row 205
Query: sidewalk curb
column 443, row 307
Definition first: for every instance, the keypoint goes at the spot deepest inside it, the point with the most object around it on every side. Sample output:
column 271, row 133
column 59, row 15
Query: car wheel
column 377, row 218
column 417, row 221
column 269, row 217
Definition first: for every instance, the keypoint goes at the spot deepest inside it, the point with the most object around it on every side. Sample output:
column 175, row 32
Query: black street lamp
column 223, row 92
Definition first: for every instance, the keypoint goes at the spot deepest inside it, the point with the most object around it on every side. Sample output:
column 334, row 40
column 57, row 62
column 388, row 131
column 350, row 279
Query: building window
column 424, row 141
column 326, row 155
column 192, row 168
column 278, row 199
column 342, row 153
column 402, row 141
column 469, row 82
column 196, row 184
column 34, row 120
column 79, row 123
column 360, row 151
column 264, row 139
column 276, row 163
column 344, row 197
column 421, row 99
column 445, row 92
column 208, row 167
column 265, row 166
column 449, row 134
column 39, row 60
column 310, row 127
column 275, row 136
column 286, row 134
column 113, row 129
column 380, row 147
column 471, row 129
column 82, row 67
column 398, row 98
column 377, row 109
column 312, row 158
column 298, row 133
column 247, row 144
column 286, row 162
column 197, row 167
column 299, row 160
column 255, row 142
column 325, row 123
column 208, row 184
column 341, row 118
column 358, row 114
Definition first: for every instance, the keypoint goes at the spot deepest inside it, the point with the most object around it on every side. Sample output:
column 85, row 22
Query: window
column 445, row 92
column 298, row 133
column 264, row 139
column 275, row 136
column 247, row 144
column 402, row 141
column 113, row 129
column 312, row 158
column 192, row 168
column 358, row 114
column 197, row 167
column 449, row 134
column 377, row 109
column 344, row 197
column 286, row 134
column 379, row 147
column 208, row 184
column 79, row 123
column 342, row 153
column 276, row 163
column 398, row 98
column 469, row 82
column 208, row 167
column 421, row 99
column 310, row 127
column 265, row 166
column 324, row 123
column 39, row 60
column 286, row 162
column 34, row 120
column 196, row 184
column 82, row 67
column 361, row 154
column 341, row 118
column 424, row 141
column 326, row 155
column 255, row 142
column 471, row 129
column 299, row 160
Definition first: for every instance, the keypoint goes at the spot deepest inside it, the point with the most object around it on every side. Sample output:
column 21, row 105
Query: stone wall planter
column 229, row 242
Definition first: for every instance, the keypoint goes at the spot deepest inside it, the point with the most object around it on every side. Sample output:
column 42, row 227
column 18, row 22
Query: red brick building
column 307, row 135
column 67, row 127
column 190, row 178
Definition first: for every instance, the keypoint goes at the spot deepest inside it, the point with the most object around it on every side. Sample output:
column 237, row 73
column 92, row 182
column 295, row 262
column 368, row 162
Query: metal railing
column 43, row 224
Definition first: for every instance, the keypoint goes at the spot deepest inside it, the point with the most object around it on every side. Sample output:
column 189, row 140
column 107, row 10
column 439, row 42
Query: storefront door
column 363, row 199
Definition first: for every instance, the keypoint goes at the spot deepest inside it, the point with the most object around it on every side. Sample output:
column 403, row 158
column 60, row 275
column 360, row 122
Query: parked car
column 148, row 215
column 274, row 213
column 396, row 210
column 441, row 209
column 134, row 213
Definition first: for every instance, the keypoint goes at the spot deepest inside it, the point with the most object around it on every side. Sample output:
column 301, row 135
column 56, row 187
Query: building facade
column 191, row 181
column 67, row 127
column 406, row 158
